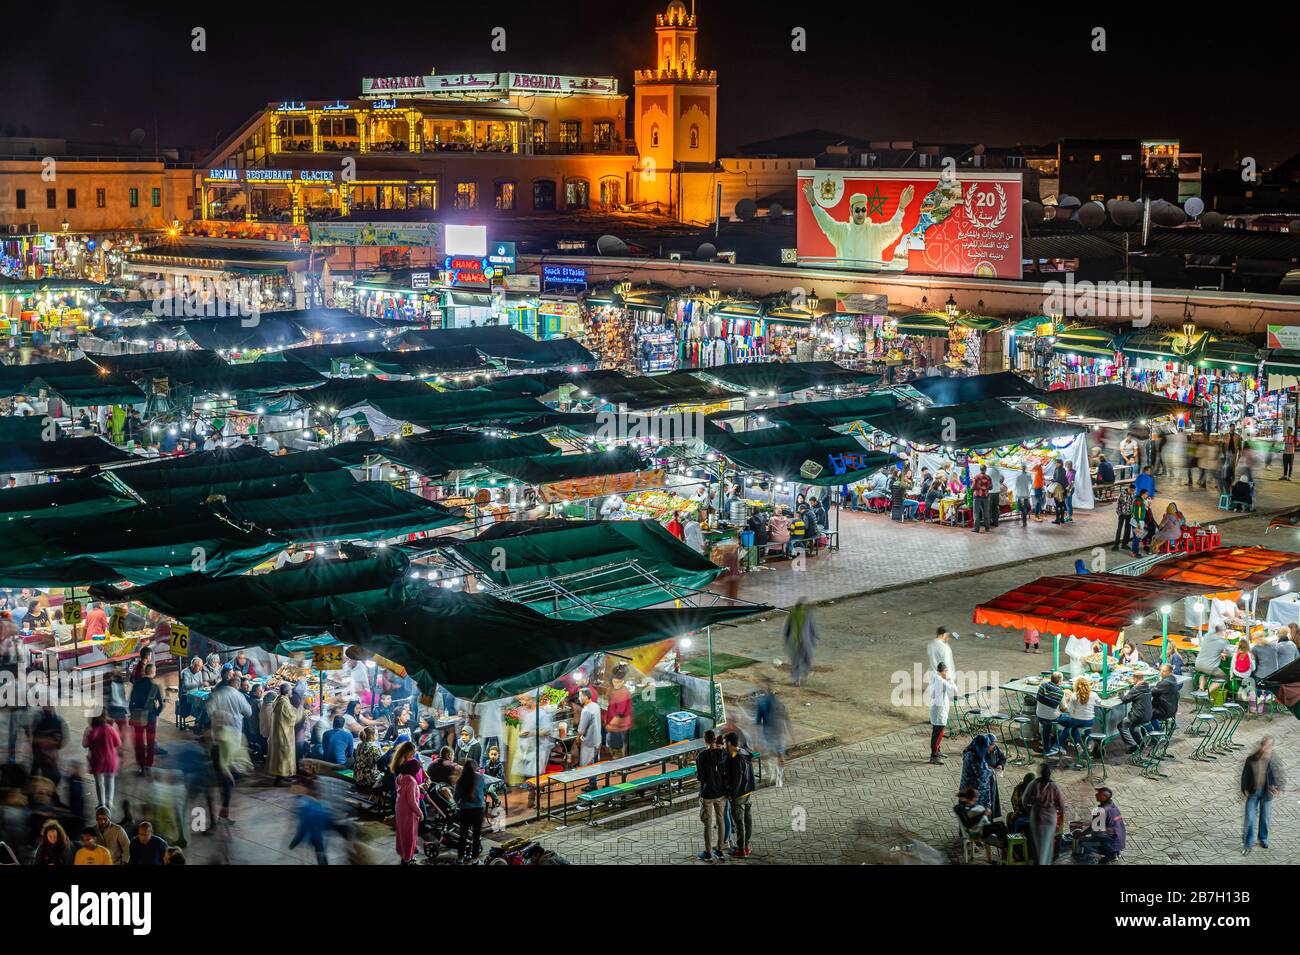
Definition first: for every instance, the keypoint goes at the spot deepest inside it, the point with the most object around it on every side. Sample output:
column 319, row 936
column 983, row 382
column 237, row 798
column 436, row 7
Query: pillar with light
column 1164, row 634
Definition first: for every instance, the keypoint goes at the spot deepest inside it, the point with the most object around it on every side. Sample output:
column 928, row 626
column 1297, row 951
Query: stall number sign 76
column 180, row 642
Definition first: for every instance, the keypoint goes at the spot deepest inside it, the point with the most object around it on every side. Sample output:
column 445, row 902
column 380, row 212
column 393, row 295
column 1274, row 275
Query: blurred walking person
column 770, row 716
column 1261, row 780
column 145, row 704
column 102, row 743
column 800, row 640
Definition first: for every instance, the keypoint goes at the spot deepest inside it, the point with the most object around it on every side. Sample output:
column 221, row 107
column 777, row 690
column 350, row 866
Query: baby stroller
column 440, row 828
column 514, row 852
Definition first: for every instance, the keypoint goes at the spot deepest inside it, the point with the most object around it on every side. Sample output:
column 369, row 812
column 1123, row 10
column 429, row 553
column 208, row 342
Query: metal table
column 622, row 767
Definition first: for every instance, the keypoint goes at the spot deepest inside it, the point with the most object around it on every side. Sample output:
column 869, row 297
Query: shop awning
column 80, row 383
column 1161, row 345
column 1112, row 403
column 1091, row 606
column 334, row 321
column 930, row 326
column 1228, row 354
column 297, row 600
column 12, row 286
column 1224, row 568
column 459, row 408
column 178, row 364
column 469, row 300
column 348, row 392
column 960, row 390
column 1282, row 361
column 608, row 565
column 1031, row 325
column 1089, row 342
column 980, row 323
column 437, row 454
column 969, row 426
column 482, row 648
column 257, row 376
column 371, row 511
column 195, row 478
column 782, row 377
column 822, row 458
column 640, row 392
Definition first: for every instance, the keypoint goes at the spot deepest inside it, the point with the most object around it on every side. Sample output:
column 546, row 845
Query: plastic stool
column 1225, row 502
column 1017, row 850
column 1100, row 740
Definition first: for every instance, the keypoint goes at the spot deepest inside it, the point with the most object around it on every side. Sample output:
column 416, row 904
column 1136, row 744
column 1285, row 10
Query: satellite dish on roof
column 1167, row 214
column 746, row 209
column 706, row 252
column 978, row 149
column 1068, row 202
column 1212, row 221
column 137, row 136
column 1194, row 206
column 611, row 245
column 1091, row 215
column 776, row 211
column 1124, row 213
column 1032, row 211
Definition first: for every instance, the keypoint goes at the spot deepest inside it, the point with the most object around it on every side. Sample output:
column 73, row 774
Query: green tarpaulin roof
column 504, row 344
column 350, row 392
column 647, row 391
column 1228, row 354
column 974, row 425
column 142, row 544
column 549, row 468
column 451, row 409
column 249, row 476
column 17, row 457
column 1282, row 361
column 253, row 376
column 370, row 511
column 782, row 376
column 836, row 412
column 482, row 648
column 1095, row 342
column 1113, row 403
column 80, row 382
column 960, row 390
column 436, row 454
column 929, row 326
column 299, row 599
column 1160, row 344
column 417, row 363
column 83, row 498
column 784, row 453
column 600, row 551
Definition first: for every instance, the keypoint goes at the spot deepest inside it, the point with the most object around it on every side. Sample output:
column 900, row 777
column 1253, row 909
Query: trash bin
column 681, row 726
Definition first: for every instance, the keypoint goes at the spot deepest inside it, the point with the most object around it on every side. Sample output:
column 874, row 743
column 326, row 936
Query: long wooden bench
column 658, row 785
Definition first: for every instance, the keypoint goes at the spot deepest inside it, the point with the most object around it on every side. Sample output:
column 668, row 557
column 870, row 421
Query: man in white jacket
column 941, row 692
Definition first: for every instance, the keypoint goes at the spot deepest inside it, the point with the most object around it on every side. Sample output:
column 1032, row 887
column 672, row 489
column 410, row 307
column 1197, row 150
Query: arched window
column 695, row 137
column 544, row 194
column 577, row 194
column 611, row 192
column 654, row 136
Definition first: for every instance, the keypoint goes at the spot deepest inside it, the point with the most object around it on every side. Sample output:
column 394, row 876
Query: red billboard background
column 965, row 224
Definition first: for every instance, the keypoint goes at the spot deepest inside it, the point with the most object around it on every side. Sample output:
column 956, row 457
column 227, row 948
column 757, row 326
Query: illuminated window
column 695, row 137
column 654, row 136
column 571, row 131
column 577, row 193
column 603, row 133
column 100, row 199
column 544, row 194
column 1096, row 157
column 1126, row 157
column 539, row 132
column 466, row 195
column 505, row 195
column 611, row 192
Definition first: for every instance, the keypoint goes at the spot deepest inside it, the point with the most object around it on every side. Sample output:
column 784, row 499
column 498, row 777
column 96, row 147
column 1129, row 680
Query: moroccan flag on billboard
column 938, row 223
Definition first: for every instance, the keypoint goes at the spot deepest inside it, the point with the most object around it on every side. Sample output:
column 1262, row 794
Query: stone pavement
column 861, row 802
column 876, row 552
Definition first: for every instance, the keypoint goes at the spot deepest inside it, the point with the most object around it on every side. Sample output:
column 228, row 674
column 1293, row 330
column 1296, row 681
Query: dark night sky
column 908, row 71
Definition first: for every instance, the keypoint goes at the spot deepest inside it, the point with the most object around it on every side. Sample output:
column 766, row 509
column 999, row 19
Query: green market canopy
column 1228, row 354
column 17, row 457
column 420, row 363
column 349, row 392
column 778, row 377
column 1112, row 403
column 927, row 325
column 1162, row 345
column 436, row 454
column 268, row 608
column 1090, row 342
column 247, row 476
column 503, row 344
column 550, row 468
column 83, row 498
column 365, row 511
column 974, row 425
column 834, row 413
column 252, row 377
column 822, row 458
column 267, row 330
column 80, row 383
column 960, row 391
column 647, row 391
column 319, row 358
column 482, row 648
column 451, row 409
column 1282, row 361
column 585, row 568
column 178, row 364
column 142, row 544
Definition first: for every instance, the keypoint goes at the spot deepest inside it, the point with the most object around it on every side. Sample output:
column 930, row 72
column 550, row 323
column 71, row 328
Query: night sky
column 901, row 71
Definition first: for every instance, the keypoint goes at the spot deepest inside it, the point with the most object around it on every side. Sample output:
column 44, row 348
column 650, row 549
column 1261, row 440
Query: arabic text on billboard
column 376, row 233
column 911, row 221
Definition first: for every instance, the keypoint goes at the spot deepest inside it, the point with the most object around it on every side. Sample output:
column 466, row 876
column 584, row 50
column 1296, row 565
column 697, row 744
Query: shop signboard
column 465, row 271
column 327, row 658
column 501, row 256
column 72, row 612
column 420, row 281
column 1284, row 336
column 936, row 223
column 387, row 234
column 810, row 470
column 525, row 282
column 180, row 641
column 563, row 275
column 388, row 85
column 454, row 83
column 860, row 303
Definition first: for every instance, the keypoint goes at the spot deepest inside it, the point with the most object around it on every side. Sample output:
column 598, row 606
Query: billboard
column 1284, row 336
column 940, row 223
column 376, row 233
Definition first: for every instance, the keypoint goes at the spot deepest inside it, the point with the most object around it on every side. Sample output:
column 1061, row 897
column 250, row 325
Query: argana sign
column 939, row 223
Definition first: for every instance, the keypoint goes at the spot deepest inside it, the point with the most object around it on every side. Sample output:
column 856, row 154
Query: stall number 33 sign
column 180, row 642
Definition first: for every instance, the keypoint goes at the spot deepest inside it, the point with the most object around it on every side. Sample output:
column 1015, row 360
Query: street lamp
column 65, row 225
column 1164, row 634
column 813, row 302
column 950, row 306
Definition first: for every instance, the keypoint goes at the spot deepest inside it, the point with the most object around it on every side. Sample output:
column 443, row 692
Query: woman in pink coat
column 102, row 741
column 409, row 814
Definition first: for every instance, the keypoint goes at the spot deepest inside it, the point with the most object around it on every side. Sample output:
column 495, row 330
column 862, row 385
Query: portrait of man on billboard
column 859, row 242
